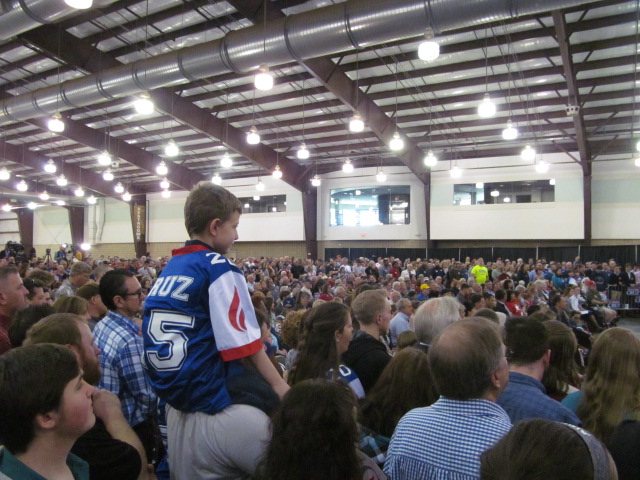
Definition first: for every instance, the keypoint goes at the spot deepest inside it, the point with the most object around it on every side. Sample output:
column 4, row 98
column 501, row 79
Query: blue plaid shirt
column 445, row 440
column 526, row 398
column 120, row 344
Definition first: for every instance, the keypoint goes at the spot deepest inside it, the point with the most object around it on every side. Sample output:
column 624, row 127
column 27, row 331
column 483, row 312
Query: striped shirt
column 120, row 344
column 445, row 441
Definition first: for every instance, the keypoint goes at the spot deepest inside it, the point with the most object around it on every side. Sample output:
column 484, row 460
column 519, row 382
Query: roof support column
column 76, row 222
column 25, row 226
column 310, row 214
column 139, row 224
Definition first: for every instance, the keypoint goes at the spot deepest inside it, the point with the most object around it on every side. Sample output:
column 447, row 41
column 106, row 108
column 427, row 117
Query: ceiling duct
column 325, row 31
column 19, row 16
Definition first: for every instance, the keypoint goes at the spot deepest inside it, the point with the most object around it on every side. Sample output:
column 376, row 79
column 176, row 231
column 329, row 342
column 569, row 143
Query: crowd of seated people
column 372, row 349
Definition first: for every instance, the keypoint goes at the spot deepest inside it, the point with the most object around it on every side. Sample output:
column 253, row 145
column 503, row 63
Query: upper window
column 264, row 204
column 531, row 191
column 367, row 206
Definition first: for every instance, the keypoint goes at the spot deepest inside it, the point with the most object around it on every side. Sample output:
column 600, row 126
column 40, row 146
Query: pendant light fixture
column 166, row 193
column 260, row 186
column 528, row 153
column 22, row 186
column 356, row 124
column 164, row 183
column 62, row 181
column 143, row 104
column 171, row 149
column 277, row 173
column 226, row 161
column 429, row 50
column 55, row 123
column 487, row 108
column 381, row 177
column 44, row 196
column 79, row 4
column 347, row 166
column 542, row 167
column 511, row 132
column 50, row 166
column 636, row 162
column 479, row 185
column 216, row 179
column 263, row 79
column 495, row 193
column 32, row 205
column 430, row 160
column 315, row 181
column 119, row 188
column 107, row 176
column 552, row 181
column 4, row 174
column 61, row 203
column 396, row 144
column 79, row 192
column 303, row 152
column 126, row 196
column 92, row 200
column 162, row 169
column 252, row 137
column 6, row 207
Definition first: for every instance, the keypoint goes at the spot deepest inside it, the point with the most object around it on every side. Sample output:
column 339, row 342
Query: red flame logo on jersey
column 236, row 314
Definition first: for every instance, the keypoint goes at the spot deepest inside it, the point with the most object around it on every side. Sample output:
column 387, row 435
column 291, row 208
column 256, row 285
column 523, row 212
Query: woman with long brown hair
column 611, row 390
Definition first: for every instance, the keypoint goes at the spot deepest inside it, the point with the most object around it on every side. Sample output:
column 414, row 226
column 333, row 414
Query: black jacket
column 367, row 357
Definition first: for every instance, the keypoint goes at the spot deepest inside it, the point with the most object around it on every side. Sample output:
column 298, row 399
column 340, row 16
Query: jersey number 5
column 164, row 329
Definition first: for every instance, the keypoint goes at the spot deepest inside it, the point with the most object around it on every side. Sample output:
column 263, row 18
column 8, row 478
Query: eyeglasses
column 138, row 293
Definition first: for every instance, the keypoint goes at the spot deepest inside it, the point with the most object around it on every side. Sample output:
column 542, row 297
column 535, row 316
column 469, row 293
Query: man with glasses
column 118, row 338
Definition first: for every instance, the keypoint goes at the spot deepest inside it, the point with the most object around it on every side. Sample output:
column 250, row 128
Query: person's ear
column 213, row 226
column 46, row 421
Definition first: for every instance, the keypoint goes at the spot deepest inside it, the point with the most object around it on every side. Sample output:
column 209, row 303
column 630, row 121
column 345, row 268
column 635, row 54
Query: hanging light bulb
column 252, row 137
column 50, row 166
column 22, row 186
column 347, row 166
column 164, row 183
column 166, row 193
column 79, row 4
column 104, row 158
column 171, row 149
column 303, row 153
column 107, row 176
column 429, row 50
column 143, row 104
column 92, row 200
column 356, row 124
column 638, row 146
column 528, row 153
column 315, row 181
column 511, row 132
column 79, row 192
column 162, row 169
column 277, row 173
column 430, row 160
column 6, row 207
column 542, row 167
column 126, row 196
column 479, row 185
column 85, row 246
column 256, row 197
column 119, row 188
column 61, row 181
column 381, row 177
column 396, row 142
column 55, row 124
column 506, row 199
column 455, row 172
column 495, row 193
column 487, row 108
column 32, row 205
column 263, row 79
column 4, row 174
column 637, row 162
column 552, row 181
column 260, row 186
column 216, row 179
column 226, row 161
column 60, row 203
column 44, row 196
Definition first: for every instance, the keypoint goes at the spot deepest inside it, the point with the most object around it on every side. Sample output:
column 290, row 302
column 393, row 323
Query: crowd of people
column 195, row 366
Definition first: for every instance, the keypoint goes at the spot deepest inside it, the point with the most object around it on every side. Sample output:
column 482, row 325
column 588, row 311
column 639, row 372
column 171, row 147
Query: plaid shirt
column 120, row 343
column 445, row 441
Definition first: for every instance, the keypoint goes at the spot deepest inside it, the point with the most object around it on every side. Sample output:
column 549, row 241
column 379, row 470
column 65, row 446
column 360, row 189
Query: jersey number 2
column 164, row 328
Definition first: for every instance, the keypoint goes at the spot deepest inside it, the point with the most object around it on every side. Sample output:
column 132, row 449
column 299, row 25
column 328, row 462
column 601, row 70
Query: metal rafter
column 173, row 105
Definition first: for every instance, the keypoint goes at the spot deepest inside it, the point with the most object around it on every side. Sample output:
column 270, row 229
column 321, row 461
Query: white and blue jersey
column 197, row 316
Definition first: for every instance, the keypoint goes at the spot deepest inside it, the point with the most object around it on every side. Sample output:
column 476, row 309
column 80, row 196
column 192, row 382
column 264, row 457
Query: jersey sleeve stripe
column 241, row 352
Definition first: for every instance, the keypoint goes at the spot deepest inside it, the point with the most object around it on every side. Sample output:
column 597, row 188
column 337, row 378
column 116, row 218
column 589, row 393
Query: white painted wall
column 616, row 200
column 51, row 227
column 365, row 177
column 562, row 219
